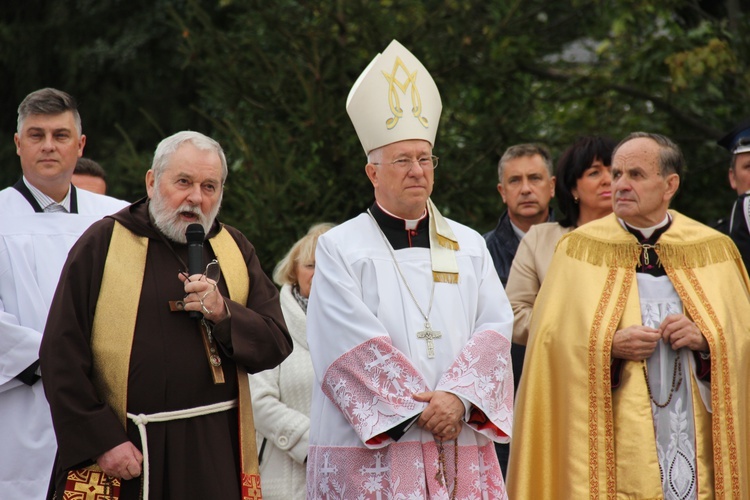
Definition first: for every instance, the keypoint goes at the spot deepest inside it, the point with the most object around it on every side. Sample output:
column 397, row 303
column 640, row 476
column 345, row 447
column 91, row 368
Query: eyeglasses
column 425, row 162
column 212, row 274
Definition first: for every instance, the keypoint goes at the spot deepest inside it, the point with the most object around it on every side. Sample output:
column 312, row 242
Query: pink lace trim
column 379, row 397
column 483, row 374
column 403, row 471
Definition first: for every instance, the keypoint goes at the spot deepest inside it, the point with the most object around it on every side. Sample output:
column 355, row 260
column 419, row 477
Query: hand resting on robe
column 443, row 415
column 638, row 342
column 123, row 461
column 679, row 331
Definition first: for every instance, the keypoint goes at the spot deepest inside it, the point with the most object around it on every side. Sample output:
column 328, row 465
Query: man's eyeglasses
column 426, row 162
column 213, row 275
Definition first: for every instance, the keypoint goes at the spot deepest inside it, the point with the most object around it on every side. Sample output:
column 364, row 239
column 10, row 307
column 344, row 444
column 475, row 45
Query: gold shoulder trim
column 714, row 249
column 599, row 252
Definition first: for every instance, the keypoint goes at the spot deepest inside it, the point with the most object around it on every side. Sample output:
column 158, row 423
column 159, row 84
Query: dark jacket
column 502, row 243
column 739, row 227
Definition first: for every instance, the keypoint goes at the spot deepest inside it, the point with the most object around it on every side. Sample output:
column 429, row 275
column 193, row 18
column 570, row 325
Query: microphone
column 195, row 236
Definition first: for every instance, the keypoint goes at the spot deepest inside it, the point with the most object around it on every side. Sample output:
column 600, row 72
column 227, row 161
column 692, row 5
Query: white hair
column 167, row 147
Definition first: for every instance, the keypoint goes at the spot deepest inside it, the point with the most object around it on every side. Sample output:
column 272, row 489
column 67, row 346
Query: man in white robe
column 408, row 324
column 42, row 216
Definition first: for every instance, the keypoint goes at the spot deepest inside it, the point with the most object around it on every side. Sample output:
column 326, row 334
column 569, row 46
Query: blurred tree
column 274, row 79
column 269, row 80
column 119, row 59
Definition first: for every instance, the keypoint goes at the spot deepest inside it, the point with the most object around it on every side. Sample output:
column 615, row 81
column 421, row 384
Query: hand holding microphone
column 195, row 236
column 202, row 291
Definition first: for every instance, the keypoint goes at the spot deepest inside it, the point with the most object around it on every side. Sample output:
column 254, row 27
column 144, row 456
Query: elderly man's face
column 739, row 177
column 402, row 191
column 641, row 193
column 189, row 191
column 49, row 146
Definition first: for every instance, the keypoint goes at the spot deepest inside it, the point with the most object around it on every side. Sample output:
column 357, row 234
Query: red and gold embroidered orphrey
column 91, row 484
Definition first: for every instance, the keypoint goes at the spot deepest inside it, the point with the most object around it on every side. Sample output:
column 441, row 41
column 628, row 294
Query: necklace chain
column 676, row 382
column 646, row 247
column 441, row 474
column 403, row 278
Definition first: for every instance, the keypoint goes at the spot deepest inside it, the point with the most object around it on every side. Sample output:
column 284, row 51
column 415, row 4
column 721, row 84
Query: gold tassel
column 447, row 243
column 441, row 277
column 601, row 253
column 711, row 250
column 702, row 253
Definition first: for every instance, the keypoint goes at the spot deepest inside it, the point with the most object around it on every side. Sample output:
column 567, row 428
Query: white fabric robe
column 33, row 249
column 673, row 425
column 281, row 409
column 368, row 361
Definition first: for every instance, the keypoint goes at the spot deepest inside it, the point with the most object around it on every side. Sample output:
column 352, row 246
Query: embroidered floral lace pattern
column 483, row 375
column 379, row 397
column 674, row 427
column 403, row 471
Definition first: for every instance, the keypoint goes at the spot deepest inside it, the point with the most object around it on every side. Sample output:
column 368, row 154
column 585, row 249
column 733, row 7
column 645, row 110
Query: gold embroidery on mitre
column 393, row 100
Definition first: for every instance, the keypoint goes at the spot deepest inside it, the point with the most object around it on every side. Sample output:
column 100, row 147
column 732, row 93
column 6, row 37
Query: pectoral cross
column 429, row 335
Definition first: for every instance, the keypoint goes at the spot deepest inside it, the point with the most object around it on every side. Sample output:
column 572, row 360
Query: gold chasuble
column 114, row 326
column 573, row 436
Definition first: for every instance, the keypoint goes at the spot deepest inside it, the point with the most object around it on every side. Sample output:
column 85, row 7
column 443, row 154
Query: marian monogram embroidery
column 393, row 98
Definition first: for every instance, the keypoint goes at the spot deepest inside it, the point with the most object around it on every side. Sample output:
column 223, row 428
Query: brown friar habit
column 189, row 458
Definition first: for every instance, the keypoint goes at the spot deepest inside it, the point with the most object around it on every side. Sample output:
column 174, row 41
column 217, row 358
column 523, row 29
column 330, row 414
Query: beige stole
column 114, row 328
column 443, row 246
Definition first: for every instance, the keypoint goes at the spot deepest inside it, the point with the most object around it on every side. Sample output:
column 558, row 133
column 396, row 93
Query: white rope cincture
column 165, row 416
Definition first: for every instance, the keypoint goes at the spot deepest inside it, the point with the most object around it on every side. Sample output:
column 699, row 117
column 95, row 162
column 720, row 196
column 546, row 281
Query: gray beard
column 169, row 222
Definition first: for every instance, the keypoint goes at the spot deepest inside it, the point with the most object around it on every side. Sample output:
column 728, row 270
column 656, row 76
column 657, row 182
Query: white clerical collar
column 648, row 231
column 519, row 234
column 44, row 200
column 408, row 223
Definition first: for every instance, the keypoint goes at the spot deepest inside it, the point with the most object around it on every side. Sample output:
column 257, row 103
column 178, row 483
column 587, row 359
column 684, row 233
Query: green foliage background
column 269, row 81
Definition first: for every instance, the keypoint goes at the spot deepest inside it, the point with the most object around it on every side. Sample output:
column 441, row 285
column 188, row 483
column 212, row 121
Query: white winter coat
column 281, row 408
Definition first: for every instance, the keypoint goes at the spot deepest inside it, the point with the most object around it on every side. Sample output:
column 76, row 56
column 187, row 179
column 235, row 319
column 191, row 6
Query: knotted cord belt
column 165, row 416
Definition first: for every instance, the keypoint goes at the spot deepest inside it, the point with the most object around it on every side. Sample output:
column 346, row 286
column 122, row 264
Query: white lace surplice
column 673, row 424
column 362, row 327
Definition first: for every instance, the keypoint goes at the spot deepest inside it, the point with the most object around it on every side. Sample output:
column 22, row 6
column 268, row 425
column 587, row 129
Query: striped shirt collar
column 44, row 200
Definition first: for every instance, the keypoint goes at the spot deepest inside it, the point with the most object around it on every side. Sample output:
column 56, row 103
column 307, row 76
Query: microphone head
column 195, row 234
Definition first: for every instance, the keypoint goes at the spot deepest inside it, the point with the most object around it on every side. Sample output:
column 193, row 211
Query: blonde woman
column 281, row 396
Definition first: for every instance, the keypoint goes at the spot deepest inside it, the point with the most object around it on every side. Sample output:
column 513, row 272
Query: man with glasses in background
column 150, row 353
column 408, row 325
